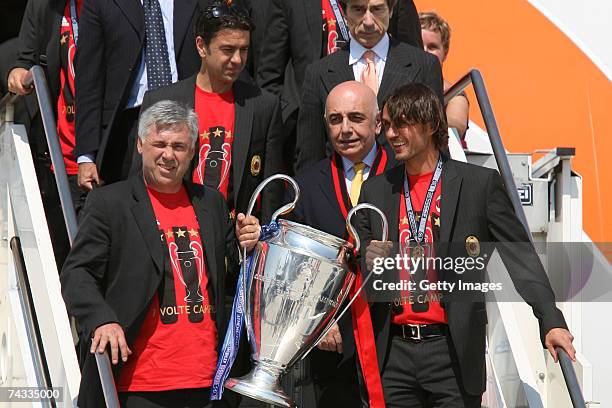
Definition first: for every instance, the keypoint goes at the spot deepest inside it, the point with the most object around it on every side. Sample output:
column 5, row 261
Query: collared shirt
column 349, row 171
column 140, row 84
column 359, row 63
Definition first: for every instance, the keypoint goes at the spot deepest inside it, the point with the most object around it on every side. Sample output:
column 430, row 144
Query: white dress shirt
column 349, row 171
column 356, row 60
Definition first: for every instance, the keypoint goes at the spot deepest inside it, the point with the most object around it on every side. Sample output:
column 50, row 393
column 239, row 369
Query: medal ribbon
column 360, row 309
column 419, row 234
column 340, row 19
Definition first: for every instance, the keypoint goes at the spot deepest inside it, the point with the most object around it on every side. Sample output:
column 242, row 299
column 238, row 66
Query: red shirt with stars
column 176, row 347
column 412, row 313
column 216, row 116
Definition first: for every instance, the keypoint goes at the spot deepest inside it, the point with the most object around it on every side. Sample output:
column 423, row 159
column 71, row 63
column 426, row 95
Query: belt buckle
column 415, row 331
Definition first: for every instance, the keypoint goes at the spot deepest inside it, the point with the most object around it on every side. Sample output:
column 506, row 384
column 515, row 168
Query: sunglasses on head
column 222, row 10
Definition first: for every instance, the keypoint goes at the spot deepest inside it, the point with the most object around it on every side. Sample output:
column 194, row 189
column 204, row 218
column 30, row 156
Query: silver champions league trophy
column 300, row 278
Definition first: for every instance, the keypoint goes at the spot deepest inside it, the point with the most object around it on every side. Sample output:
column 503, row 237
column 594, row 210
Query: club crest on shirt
column 255, row 165
column 472, row 246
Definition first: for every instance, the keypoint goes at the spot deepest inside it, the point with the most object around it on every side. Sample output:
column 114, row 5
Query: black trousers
column 424, row 374
column 185, row 398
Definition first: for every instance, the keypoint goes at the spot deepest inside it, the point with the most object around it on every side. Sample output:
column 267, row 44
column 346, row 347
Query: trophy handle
column 281, row 211
column 285, row 209
column 353, row 233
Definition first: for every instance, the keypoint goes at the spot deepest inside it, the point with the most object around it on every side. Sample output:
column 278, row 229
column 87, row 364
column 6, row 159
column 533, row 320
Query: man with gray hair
column 146, row 274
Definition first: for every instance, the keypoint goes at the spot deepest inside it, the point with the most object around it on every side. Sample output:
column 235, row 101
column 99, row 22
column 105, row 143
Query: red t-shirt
column 65, row 101
column 412, row 314
column 176, row 347
column 216, row 116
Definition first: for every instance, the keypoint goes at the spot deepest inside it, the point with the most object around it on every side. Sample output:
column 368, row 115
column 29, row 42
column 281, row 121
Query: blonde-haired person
column 436, row 34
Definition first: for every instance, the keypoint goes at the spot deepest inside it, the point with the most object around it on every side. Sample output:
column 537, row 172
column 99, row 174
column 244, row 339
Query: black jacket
column 473, row 203
column 117, row 263
column 294, row 39
column 109, row 52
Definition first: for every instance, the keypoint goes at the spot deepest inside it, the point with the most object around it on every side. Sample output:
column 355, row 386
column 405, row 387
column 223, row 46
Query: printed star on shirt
column 405, row 220
column 228, row 134
column 193, row 233
column 218, row 132
column 205, row 135
column 180, row 233
column 437, row 221
column 169, row 233
column 331, row 22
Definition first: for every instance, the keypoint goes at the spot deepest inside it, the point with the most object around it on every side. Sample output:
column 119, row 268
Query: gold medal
column 418, row 251
column 472, row 246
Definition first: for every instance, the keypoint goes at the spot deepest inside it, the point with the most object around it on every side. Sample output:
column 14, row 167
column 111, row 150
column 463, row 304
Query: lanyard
column 340, row 19
column 73, row 20
column 435, row 178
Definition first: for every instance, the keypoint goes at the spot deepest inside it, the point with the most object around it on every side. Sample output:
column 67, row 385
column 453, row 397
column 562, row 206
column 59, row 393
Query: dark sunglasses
column 228, row 10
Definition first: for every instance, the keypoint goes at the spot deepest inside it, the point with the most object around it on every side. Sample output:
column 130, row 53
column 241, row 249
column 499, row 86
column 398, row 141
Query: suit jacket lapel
column 392, row 197
column 326, row 186
column 339, row 70
column 451, row 186
column 207, row 235
column 145, row 218
column 243, row 128
column 183, row 11
column 313, row 12
column 397, row 68
column 135, row 14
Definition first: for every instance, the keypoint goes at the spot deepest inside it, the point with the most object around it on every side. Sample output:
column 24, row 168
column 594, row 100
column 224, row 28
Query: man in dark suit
column 371, row 57
column 431, row 344
column 328, row 190
column 125, row 48
column 146, row 274
column 294, row 39
column 240, row 140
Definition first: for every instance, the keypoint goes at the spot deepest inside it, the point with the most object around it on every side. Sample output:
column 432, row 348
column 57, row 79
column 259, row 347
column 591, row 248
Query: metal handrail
column 36, row 77
column 474, row 77
column 571, row 381
column 38, row 353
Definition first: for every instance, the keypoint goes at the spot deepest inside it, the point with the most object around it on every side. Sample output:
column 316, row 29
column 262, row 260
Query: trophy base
column 263, row 385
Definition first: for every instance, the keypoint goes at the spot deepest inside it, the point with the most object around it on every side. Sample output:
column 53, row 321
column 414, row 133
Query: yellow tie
column 357, row 182
column 369, row 76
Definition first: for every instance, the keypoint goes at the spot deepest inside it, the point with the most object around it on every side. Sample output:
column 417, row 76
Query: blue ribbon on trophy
column 231, row 343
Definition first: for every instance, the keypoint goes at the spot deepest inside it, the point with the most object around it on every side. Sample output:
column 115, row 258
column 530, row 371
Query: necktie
column 369, row 75
column 357, row 182
column 156, row 49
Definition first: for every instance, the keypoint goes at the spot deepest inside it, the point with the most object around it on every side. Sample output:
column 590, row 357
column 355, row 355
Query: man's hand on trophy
column 247, row 231
column 377, row 249
column 332, row 340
